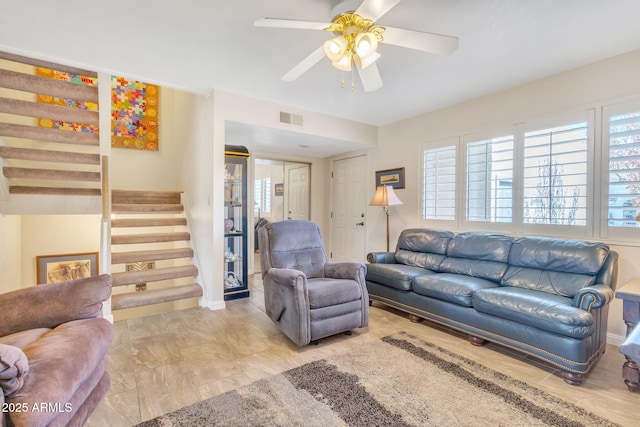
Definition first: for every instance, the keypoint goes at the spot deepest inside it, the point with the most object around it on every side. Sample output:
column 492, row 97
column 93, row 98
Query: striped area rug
column 399, row 381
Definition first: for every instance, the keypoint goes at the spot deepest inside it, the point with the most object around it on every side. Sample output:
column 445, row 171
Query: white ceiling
column 200, row 45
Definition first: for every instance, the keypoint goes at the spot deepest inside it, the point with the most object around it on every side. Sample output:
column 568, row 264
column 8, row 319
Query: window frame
column 440, row 223
column 622, row 234
column 575, row 231
column 472, row 138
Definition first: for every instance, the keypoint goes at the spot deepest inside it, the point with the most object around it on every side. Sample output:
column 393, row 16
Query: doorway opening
column 281, row 191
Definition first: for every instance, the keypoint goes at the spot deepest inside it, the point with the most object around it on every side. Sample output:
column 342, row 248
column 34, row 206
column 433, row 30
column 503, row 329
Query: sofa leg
column 347, row 332
column 414, row 318
column 572, row 378
column 476, row 341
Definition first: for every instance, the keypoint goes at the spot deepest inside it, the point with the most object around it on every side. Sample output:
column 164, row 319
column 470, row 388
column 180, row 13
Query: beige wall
column 26, row 237
column 156, row 170
column 590, row 86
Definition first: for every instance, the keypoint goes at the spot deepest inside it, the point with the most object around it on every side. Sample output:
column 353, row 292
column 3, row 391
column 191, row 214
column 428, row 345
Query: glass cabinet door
column 235, row 225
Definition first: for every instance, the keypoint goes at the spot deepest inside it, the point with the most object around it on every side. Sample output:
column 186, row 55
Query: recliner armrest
column 595, row 296
column 286, row 298
column 381, row 257
column 47, row 306
column 346, row 270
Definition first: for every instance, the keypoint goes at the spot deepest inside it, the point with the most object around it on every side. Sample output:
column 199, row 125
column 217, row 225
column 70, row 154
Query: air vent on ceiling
column 290, row 118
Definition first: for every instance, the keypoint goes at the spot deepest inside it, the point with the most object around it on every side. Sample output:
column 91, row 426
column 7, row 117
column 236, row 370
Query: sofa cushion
column 560, row 267
column 482, row 246
column 553, row 282
column 454, row 288
column 569, row 256
column 542, row 310
column 23, row 338
column 56, row 371
column 399, row 276
column 488, row 270
column 324, row 292
column 421, row 247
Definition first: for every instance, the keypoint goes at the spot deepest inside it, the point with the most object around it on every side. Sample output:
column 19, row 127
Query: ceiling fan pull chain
column 353, row 83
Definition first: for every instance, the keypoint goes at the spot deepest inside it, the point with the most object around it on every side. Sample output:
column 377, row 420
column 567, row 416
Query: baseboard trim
column 614, row 339
column 212, row 305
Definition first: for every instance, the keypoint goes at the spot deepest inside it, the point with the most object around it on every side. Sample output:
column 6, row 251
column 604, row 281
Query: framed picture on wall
column 279, row 189
column 57, row 268
column 392, row 177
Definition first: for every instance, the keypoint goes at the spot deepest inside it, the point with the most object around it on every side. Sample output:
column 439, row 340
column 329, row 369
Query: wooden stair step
column 147, row 222
column 49, row 155
column 146, row 208
column 54, row 191
column 155, row 275
column 125, row 239
column 155, row 296
column 145, row 197
column 51, row 174
column 151, row 255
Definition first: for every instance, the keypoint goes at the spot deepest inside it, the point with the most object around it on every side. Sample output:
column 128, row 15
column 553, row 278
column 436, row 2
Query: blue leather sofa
column 548, row 298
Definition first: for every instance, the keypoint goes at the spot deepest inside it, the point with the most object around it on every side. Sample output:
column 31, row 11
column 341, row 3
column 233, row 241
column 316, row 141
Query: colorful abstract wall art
column 134, row 114
column 54, row 100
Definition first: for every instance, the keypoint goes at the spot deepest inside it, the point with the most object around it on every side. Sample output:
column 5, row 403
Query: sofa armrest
column 47, row 306
column 346, row 270
column 13, row 367
column 381, row 257
column 286, row 299
column 595, row 296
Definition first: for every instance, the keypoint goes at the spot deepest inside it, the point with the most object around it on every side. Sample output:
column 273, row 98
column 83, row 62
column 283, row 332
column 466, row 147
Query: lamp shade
column 366, row 44
column 335, row 48
column 385, row 196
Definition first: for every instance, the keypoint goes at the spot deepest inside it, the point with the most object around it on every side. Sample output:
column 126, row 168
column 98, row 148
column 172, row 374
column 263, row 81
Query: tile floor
column 163, row 362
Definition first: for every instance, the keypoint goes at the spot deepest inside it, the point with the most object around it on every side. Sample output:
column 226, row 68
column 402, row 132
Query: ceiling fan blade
column 291, row 23
column 370, row 76
column 374, row 9
column 427, row 42
column 308, row 62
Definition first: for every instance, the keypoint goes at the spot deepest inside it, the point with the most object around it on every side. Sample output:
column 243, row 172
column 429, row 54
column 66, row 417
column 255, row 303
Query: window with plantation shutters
column 624, row 166
column 489, row 195
column 555, row 172
column 439, row 182
column 262, row 195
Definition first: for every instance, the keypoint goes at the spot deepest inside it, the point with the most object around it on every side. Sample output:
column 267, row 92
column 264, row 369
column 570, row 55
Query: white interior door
column 349, row 203
column 297, row 200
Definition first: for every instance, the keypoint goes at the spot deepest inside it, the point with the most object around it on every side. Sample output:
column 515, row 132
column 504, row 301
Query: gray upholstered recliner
column 307, row 297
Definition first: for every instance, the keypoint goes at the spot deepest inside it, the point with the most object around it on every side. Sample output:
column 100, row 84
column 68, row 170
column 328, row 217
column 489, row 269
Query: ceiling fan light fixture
column 366, row 44
column 344, row 63
column 335, row 48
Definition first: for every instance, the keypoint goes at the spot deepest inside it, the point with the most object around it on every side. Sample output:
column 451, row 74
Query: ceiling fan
column 357, row 36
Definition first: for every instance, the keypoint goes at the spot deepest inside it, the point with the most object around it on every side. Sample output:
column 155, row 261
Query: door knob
column 360, row 223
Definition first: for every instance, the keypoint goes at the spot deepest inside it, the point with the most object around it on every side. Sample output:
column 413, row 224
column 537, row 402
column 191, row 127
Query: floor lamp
column 385, row 197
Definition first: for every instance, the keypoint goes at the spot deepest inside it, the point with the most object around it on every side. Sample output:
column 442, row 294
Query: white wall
column 11, row 253
column 399, row 143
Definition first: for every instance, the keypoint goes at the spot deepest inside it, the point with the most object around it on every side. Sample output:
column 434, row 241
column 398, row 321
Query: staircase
column 46, row 159
column 149, row 229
